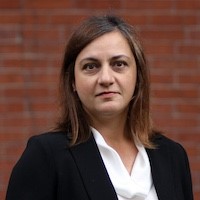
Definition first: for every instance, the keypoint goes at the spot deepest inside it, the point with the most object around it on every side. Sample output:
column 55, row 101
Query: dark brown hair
column 73, row 117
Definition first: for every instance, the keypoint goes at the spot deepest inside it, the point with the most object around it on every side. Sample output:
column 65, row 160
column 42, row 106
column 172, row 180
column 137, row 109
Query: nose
column 106, row 76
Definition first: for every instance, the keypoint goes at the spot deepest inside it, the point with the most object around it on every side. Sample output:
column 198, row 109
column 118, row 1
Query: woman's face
column 105, row 76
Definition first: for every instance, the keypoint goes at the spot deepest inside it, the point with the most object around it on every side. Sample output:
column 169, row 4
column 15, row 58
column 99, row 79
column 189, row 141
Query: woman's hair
column 73, row 117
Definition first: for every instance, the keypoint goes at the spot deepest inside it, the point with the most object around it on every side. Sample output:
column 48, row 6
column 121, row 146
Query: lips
column 107, row 93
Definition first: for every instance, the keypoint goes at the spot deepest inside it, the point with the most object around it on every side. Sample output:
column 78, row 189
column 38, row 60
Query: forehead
column 109, row 43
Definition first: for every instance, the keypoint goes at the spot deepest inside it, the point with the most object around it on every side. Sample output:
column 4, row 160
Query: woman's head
column 73, row 114
column 105, row 78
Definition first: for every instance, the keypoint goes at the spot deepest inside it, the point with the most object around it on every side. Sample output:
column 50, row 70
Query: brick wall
column 32, row 39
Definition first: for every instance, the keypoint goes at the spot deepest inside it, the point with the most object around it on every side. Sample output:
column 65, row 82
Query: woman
column 104, row 146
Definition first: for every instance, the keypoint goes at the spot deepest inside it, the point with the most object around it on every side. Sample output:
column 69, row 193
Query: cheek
column 80, row 83
column 82, row 86
column 83, row 89
column 131, row 83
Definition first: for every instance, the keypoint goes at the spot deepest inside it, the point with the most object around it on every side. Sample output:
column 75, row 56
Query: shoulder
column 161, row 140
column 169, row 152
column 49, row 142
column 56, row 137
column 43, row 149
column 36, row 169
column 169, row 160
column 167, row 146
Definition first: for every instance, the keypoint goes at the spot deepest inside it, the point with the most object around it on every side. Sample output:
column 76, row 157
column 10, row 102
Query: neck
column 111, row 129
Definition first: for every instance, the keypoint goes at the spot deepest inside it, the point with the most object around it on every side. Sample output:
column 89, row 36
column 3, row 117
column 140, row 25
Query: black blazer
column 50, row 170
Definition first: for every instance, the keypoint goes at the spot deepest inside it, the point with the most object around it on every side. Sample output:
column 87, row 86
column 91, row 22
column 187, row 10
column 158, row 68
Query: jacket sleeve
column 33, row 176
column 186, row 179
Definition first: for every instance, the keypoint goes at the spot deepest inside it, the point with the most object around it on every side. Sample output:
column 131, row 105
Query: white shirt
column 135, row 186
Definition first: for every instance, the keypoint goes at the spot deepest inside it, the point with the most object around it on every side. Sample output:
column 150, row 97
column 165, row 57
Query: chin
column 110, row 111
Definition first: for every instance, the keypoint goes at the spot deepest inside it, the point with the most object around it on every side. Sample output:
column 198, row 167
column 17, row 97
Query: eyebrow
column 119, row 56
column 89, row 58
column 97, row 60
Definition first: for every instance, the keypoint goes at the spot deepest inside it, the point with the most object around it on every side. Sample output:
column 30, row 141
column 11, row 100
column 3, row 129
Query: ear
column 74, row 87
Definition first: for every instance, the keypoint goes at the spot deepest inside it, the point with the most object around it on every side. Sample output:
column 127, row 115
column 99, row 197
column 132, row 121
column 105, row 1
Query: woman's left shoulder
column 168, row 149
column 164, row 143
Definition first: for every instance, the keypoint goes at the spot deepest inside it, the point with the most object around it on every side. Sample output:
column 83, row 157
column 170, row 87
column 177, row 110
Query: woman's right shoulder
column 53, row 139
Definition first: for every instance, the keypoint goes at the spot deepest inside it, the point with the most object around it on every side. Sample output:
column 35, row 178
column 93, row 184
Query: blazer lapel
column 93, row 171
column 161, row 168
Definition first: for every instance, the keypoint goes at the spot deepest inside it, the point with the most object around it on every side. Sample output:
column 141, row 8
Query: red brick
column 39, row 92
column 11, row 107
column 156, row 48
column 190, row 78
column 161, row 78
column 137, row 19
column 47, row 123
column 42, row 48
column 35, row 19
column 194, row 34
column 174, row 19
column 43, row 34
column 150, row 5
column 13, row 63
column 188, row 108
column 51, row 4
column 5, row 4
column 11, row 78
column 43, row 106
column 192, row 4
column 103, row 4
column 197, row 193
column 14, row 93
column 9, row 35
column 46, row 78
column 10, row 48
column 10, row 18
column 196, row 165
column 67, row 19
column 33, row 63
column 162, row 108
column 193, row 49
column 8, row 137
column 178, row 122
column 33, row 35
column 176, row 93
column 166, row 35
column 16, row 121
column 173, row 63
column 191, row 137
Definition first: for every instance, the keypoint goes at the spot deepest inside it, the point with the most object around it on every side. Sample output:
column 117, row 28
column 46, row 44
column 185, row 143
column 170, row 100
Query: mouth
column 107, row 93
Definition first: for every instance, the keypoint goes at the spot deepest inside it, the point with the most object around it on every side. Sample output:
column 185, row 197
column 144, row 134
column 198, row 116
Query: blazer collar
column 96, row 178
column 161, row 168
column 93, row 171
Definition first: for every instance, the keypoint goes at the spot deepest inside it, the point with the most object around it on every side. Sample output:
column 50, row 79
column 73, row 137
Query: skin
column 105, row 79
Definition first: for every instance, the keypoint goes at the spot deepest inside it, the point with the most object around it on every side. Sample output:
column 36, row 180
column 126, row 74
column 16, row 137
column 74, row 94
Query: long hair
column 73, row 117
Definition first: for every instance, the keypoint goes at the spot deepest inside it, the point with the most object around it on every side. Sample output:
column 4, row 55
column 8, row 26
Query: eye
column 119, row 64
column 90, row 66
